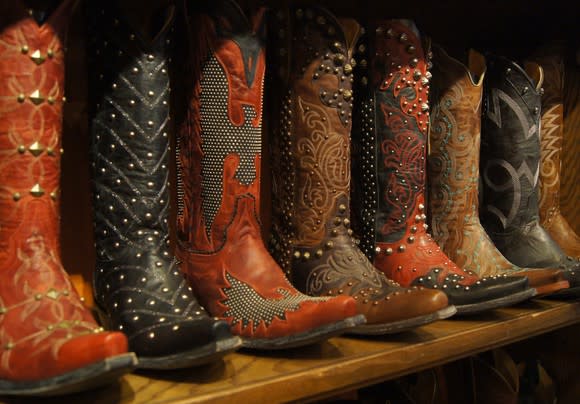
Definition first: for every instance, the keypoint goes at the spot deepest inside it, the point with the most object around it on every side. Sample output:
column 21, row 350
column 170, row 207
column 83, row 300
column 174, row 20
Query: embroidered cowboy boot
column 138, row 285
column 453, row 172
column 219, row 235
column 392, row 136
column 510, row 168
column 49, row 342
column 552, row 123
column 311, row 170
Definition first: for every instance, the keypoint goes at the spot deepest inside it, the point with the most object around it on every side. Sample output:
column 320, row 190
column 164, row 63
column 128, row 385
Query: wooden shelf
column 338, row 365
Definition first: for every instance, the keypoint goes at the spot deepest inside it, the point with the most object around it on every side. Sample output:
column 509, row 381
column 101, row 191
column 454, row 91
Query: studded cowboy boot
column 453, row 172
column 49, row 342
column 392, row 130
column 219, row 231
column 552, row 123
column 138, row 285
column 510, row 158
column 312, row 180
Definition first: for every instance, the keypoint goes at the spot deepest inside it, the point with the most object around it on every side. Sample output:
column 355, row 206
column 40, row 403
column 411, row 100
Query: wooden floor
column 337, row 365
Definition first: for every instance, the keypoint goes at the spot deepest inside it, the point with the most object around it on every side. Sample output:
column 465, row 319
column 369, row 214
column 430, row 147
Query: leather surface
column 510, row 158
column 312, row 175
column 393, row 223
column 137, row 281
column 570, row 162
column 552, row 122
column 44, row 328
column 454, row 170
column 220, row 243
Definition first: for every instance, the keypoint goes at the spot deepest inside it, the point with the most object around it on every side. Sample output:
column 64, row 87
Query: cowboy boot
column 219, row 236
column 552, row 123
column 313, row 240
column 138, row 286
column 49, row 342
column 510, row 158
column 392, row 136
column 453, row 172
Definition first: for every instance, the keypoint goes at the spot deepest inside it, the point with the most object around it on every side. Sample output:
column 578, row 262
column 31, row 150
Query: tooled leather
column 228, row 265
column 42, row 319
column 510, row 157
column 551, row 140
column 137, row 282
column 313, row 199
column 454, row 170
column 404, row 249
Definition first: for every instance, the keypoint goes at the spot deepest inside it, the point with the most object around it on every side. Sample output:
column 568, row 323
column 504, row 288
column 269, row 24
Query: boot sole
column 196, row 357
column 571, row 293
column 305, row 338
column 87, row 378
column 403, row 325
column 551, row 288
column 510, row 300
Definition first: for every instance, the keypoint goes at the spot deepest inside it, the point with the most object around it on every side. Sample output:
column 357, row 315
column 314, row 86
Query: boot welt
column 403, row 325
column 509, row 300
column 305, row 338
column 86, row 378
column 550, row 288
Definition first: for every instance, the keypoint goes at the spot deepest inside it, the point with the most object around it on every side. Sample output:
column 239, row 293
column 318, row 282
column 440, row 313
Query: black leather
column 510, row 161
column 137, row 283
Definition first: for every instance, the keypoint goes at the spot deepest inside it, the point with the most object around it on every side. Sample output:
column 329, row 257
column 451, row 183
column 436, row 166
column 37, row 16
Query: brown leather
column 571, row 145
column 551, row 154
column 223, row 254
column 496, row 378
column 453, row 167
column 312, row 176
column 44, row 328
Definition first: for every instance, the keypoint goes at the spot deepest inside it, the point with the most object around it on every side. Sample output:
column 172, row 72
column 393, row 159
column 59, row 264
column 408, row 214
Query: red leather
column 44, row 328
column 415, row 253
column 235, row 247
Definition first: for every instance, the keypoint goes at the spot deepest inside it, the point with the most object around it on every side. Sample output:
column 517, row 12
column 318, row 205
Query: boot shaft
column 130, row 127
column 31, row 102
column 220, row 142
column 510, row 145
column 551, row 138
column 455, row 143
column 392, row 127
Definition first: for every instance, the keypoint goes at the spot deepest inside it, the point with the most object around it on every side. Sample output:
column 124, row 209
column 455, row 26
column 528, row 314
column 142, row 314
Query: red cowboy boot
column 393, row 139
column 552, row 123
column 219, row 239
column 454, row 174
column 311, row 147
column 49, row 342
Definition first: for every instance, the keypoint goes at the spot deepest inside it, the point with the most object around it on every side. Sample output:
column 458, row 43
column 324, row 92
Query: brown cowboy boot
column 219, row 235
column 552, row 123
column 49, row 342
column 454, row 173
column 394, row 120
column 311, row 171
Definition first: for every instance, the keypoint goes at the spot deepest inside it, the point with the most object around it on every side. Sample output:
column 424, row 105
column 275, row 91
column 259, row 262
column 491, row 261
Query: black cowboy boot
column 510, row 164
column 138, row 286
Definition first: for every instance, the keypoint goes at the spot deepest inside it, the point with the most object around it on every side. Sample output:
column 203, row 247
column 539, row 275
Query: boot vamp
column 484, row 289
column 530, row 246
